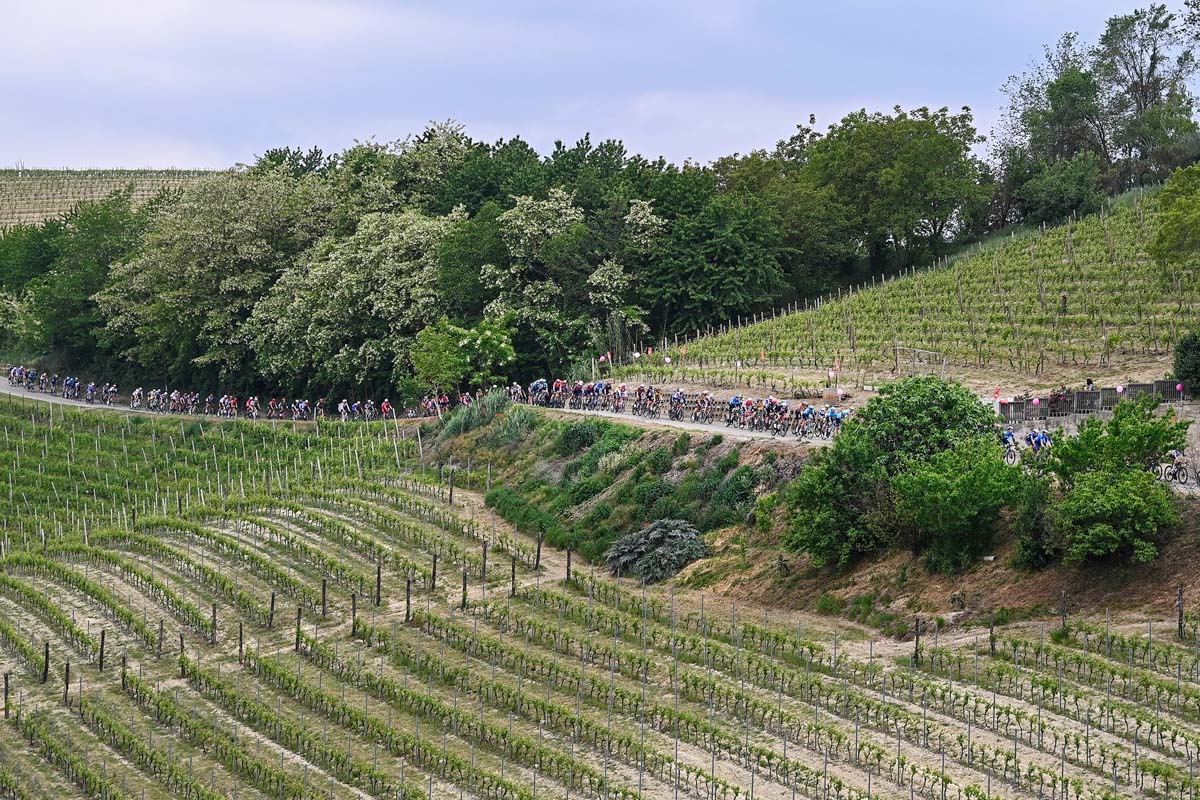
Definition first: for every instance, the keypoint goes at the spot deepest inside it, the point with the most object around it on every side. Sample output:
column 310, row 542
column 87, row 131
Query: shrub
column 659, row 461
column 1187, row 363
column 657, row 551
column 467, row 418
column 575, row 436
column 1036, row 544
column 1134, row 437
column 950, row 504
column 682, row 444
column 512, row 425
column 842, row 506
column 1108, row 514
column 527, row 517
column 647, row 493
column 829, row 604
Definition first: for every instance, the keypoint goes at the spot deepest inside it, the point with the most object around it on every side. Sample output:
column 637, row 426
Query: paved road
column 17, row 391
column 688, row 425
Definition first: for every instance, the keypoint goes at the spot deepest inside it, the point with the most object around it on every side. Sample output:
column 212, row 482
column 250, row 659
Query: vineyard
column 203, row 610
column 29, row 196
column 1077, row 295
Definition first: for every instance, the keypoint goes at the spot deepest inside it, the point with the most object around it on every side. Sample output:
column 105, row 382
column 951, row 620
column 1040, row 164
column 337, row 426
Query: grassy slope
column 1001, row 308
column 615, row 477
column 32, row 195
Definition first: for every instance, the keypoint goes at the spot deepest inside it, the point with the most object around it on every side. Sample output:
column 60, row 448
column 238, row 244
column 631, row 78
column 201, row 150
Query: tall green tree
column 92, row 237
column 906, row 178
column 345, row 314
column 178, row 308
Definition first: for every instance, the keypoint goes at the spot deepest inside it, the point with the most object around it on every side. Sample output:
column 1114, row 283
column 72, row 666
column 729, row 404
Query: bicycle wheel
column 1157, row 471
column 1010, row 456
column 1181, row 474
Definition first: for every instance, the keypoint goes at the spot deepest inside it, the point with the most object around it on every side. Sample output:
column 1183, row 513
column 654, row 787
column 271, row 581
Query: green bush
column 467, row 418
column 1114, row 514
column 657, row 551
column 829, row 604
column 583, row 490
column 950, row 504
column 1135, row 437
column 682, row 444
column 526, row 517
column 1187, row 362
column 842, row 505
column 659, row 461
column 1036, row 544
column 647, row 493
column 575, row 436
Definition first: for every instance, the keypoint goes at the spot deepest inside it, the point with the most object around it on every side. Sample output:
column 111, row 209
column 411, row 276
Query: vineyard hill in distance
column 30, row 196
column 1037, row 309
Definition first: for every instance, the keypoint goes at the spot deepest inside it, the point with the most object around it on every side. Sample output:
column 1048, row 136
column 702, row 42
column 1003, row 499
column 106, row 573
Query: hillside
column 32, row 195
column 1083, row 296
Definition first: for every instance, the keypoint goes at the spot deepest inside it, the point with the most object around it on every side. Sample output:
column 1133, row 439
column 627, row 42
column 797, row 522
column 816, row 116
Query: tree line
column 439, row 259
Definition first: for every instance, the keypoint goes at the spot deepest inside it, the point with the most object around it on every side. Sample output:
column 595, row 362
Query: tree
column 1146, row 59
column 1187, row 362
column 439, row 361
column 90, row 239
column 1058, row 189
column 1177, row 239
column 547, row 267
column 1114, row 513
column 346, row 313
column 715, row 265
column 951, row 504
column 489, row 351
column 178, row 307
column 907, row 177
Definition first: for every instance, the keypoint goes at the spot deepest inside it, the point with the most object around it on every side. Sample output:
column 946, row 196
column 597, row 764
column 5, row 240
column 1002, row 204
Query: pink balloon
column 601, row 359
column 1037, row 402
column 1120, row 390
column 1179, row 387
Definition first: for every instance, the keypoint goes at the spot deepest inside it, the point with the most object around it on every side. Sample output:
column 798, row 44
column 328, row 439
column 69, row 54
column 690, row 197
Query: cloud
column 188, row 45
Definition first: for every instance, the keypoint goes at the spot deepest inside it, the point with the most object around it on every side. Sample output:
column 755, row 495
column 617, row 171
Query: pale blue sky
column 208, row 83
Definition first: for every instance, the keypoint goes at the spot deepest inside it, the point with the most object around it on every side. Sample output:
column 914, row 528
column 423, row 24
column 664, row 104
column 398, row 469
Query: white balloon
column 667, row 359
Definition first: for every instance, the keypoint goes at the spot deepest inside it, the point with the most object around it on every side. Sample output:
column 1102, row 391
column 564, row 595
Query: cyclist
column 385, row 408
column 1008, row 438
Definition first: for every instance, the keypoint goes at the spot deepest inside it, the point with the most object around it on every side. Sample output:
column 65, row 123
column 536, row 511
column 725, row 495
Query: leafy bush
column 512, row 425
column 657, row 551
column 527, row 517
column 951, row 503
column 648, row 492
column 681, row 445
column 576, row 436
column 843, row 505
column 659, row 460
column 1108, row 514
column 467, row 418
column 1134, row 437
column 1037, row 546
column 1187, row 362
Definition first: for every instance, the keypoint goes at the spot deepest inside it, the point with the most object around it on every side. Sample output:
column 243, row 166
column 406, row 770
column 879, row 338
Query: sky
column 213, row 83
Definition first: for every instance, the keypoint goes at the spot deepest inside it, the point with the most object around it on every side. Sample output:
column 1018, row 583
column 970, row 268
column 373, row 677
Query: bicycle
column 1175, row 472
column 1011, row 454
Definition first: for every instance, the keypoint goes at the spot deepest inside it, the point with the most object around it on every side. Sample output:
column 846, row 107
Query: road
column 688, row 425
